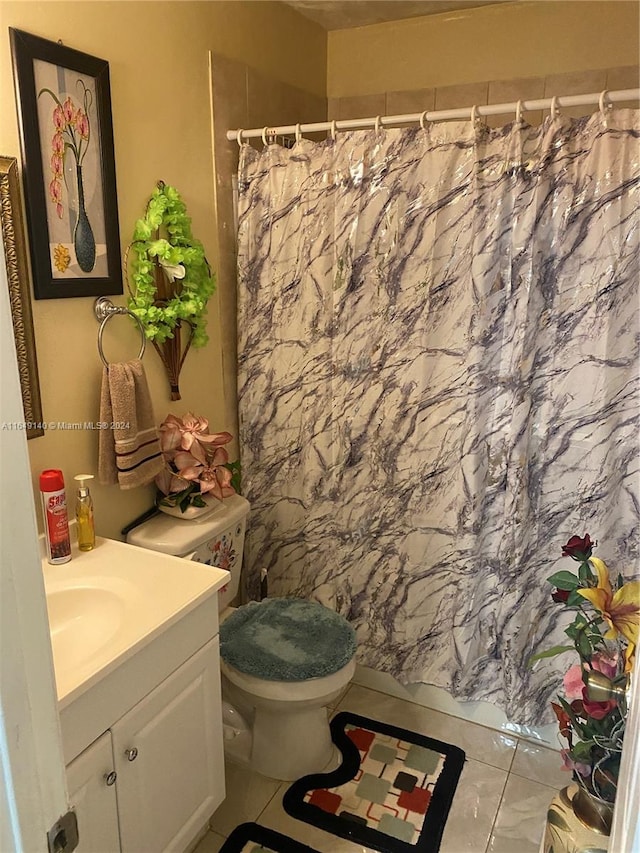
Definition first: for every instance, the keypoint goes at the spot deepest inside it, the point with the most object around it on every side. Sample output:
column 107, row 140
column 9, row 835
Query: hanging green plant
column 169, row 279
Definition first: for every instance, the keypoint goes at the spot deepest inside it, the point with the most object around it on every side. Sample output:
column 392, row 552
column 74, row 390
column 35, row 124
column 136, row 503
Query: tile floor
column 500, row 803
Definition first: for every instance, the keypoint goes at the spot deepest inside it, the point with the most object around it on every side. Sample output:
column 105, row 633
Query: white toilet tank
column 215, row 538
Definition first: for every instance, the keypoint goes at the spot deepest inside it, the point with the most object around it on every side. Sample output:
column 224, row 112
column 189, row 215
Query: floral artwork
column 604, row 634
column 71, row 138
column 66, row 136
column 197, row 463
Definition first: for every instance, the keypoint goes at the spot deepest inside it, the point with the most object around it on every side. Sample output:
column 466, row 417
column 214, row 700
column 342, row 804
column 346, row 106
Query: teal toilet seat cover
column 286, row 639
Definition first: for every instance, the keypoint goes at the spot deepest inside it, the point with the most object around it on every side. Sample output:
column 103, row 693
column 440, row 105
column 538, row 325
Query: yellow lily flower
column 629, row 657
column 621, row 609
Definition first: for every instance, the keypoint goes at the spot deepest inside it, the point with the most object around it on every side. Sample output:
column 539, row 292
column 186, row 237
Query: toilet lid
column 286, row 639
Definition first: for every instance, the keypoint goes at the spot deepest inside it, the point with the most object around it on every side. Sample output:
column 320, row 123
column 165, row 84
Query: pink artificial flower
column 56, row 164
column 57, row 143
column 577, row 766
column 190, row 434
column 169, row 483
column 573, row 683
column 68, row 111
column 82, row 124
column 187, row 464
column 55, row 191
column 598, row 710
column 606, row 665
column 210, row 477
column 218, row 481
column 59, row 119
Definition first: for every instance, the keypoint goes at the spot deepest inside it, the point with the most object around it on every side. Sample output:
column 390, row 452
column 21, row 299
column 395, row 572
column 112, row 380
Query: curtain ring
column 264, row 136
column 554, row 107
column 603, row 103
column 298, row 133
column 334, row 130
column 239, row 138
column 519, row 112
column 474, row 114
column 377, row 125
column 423, row 119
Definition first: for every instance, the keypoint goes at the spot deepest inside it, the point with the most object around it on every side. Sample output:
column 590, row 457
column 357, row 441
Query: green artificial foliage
column 166, row 215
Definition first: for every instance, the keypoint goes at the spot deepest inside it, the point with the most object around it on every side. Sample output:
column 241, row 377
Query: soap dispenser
column 84, row 514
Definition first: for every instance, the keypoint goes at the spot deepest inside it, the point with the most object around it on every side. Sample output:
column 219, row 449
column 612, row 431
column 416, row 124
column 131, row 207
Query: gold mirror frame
column 18, row 280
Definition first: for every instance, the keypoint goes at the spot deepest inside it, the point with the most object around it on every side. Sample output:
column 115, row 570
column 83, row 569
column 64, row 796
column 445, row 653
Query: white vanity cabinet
column 91, row 779
column 167, row 754
column 169, row 758
column 134, row 636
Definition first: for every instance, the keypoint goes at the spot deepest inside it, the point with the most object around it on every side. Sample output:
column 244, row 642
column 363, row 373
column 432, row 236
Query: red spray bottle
column 54, row 510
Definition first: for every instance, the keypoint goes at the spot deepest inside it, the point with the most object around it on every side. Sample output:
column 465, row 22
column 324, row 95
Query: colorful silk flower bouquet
column 197, row 463
column 604, row 633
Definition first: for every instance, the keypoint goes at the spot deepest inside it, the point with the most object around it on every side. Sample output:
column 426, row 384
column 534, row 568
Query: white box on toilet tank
column 215, row 538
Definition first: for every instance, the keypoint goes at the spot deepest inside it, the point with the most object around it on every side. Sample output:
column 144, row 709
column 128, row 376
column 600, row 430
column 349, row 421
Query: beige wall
column 158, row 57
column 488, row 43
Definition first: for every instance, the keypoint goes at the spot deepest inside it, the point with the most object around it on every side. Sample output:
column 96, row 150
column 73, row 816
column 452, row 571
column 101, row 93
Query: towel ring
column 104, row 309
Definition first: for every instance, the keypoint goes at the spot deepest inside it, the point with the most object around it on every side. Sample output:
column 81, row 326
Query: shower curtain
column 438, row 385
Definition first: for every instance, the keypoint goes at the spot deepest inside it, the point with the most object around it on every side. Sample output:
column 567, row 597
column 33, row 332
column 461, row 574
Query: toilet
column 283, row 661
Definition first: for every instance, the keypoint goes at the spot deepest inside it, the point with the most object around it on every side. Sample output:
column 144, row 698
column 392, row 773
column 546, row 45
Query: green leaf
column 234, row 467
column 564, row 580
column 584, row 572
column 549, row 653
column 581, row 751
column 576, row 627
column 575, row 599
column 585, row 649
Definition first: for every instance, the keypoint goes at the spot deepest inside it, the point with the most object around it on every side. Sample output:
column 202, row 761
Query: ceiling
column 342, row 14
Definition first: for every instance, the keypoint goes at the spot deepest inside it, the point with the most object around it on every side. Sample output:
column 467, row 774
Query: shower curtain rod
column 519, row 107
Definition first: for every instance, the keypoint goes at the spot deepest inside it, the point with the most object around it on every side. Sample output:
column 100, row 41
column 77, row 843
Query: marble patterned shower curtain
column 438, row 385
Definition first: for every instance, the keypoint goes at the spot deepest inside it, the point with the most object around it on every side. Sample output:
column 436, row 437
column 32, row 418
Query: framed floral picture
column 66, row 135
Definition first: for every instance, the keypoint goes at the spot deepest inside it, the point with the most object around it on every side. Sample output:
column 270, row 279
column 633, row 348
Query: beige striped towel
column 128, row 448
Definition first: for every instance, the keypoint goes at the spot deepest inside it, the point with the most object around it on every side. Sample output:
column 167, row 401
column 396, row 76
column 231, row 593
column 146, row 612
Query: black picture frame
column 69, row 176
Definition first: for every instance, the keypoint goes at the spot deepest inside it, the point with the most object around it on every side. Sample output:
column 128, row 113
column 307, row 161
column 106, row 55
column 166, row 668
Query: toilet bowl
column 283, row 661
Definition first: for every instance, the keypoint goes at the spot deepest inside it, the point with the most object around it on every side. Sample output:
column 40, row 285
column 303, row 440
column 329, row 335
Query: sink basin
column 83, row 619
column 105, row 605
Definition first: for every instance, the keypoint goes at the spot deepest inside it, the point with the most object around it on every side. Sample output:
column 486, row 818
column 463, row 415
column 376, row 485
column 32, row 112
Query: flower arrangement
column 197, row 463
column 604, row 633
column 72, row 133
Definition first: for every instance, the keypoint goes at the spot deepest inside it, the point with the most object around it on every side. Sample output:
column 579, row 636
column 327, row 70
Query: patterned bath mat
column 392, row 791
column 252, row 838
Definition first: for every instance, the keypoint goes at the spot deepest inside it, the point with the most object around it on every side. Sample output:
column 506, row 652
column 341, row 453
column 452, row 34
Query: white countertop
column 107, row 604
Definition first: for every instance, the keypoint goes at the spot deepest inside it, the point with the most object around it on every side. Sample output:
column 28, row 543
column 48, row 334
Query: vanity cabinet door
column 92, row 792
column 169, row 757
